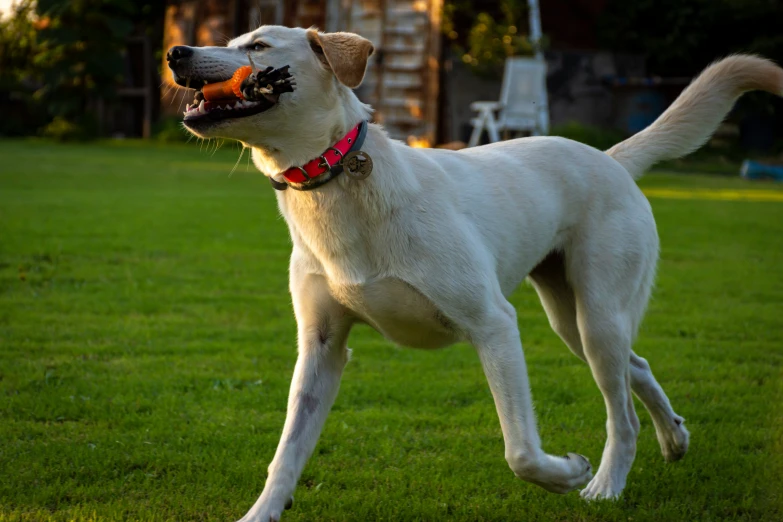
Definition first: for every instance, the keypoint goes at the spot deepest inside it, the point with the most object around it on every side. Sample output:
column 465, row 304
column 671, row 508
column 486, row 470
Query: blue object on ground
column 755, row 170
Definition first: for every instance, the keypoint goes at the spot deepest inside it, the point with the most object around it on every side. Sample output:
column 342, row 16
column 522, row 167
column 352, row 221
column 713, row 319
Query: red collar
column 324, row 163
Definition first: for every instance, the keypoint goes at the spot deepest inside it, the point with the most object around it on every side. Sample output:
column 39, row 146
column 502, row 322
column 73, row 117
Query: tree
column 485, row 35
column 18, row 81
column 680, row 37
column 79, row 54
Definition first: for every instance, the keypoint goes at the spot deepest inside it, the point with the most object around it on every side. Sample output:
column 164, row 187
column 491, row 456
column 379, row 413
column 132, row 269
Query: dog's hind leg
column 669, row 427
column 557, row 297
column 606, row 338
column 610, row 263
column 323, row 328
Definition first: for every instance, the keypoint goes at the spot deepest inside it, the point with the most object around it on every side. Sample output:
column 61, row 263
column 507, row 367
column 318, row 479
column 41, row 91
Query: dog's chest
column 397, row 310
column 346, row 244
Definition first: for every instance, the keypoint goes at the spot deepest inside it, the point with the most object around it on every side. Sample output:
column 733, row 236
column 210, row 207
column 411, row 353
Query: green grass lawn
column 147, row 342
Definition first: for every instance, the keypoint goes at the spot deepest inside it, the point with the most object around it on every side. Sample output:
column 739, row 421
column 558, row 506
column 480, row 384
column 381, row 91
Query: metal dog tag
column 357, row 164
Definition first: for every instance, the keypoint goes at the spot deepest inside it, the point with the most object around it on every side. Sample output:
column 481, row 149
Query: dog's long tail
column 695, row 115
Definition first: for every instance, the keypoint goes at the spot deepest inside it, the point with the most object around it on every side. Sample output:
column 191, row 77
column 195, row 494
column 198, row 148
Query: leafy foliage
column 67, row 54
column 485, row 34
column 682, row 36
column 17, row 42
column 80, row 55
column 81, row 43
column 17, row 84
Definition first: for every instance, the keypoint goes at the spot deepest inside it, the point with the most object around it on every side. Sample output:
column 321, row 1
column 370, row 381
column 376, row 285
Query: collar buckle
column 324, row 164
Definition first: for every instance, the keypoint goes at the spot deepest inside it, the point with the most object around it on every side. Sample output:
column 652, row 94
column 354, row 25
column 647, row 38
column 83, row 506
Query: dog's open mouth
column 250, row 91
column 216, row 110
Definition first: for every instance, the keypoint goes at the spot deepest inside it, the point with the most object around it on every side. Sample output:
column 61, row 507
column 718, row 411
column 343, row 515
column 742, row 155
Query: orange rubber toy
column 229, row 89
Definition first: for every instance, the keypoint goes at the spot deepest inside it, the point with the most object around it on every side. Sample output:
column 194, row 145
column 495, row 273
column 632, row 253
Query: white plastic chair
column 523, row 104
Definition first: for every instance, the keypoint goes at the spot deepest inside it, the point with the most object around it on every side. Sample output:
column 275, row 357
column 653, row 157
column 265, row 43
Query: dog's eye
column 257, row 46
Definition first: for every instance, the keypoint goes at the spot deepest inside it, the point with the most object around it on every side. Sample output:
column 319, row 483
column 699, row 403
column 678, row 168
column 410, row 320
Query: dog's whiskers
column 218, row 145
column 182, row 100
column 167, row 88
column 241, row 153
column 185, row 92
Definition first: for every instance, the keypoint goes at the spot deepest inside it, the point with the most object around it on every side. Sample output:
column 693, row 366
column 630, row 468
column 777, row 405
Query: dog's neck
column 329, row 124
column 336, row 225
column 333, row 221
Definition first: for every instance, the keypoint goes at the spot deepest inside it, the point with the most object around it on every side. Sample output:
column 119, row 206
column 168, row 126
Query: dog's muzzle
column 259, row 92
column 179, row 61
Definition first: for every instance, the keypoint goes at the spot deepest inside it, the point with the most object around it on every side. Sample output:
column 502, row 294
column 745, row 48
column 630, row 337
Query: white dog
column 428, row 247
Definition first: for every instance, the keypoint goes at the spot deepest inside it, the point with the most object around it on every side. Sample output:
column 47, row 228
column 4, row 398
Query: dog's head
column 325, row 66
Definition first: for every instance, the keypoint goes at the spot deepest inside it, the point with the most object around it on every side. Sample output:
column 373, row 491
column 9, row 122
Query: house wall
column 402, row 81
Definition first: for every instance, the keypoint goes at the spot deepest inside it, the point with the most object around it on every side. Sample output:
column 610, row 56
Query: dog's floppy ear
column 345, row 54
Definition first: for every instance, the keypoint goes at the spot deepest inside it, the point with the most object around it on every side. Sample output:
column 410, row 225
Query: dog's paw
column 581, row 473
column 609, row 480
column 560, row 474
column 603, row 487
column 674, row 440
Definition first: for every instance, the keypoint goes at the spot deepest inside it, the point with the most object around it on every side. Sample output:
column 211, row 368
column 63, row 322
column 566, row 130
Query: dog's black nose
column 178, row 52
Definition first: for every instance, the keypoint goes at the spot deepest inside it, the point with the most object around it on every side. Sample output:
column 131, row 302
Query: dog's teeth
column 229, row 107
column 201, row 108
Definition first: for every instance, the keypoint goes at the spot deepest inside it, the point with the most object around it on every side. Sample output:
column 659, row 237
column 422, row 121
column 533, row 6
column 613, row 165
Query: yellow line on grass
column 715, row 194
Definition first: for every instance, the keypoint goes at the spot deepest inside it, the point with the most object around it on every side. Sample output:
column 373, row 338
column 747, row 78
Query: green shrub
column 601, row 139
column 169, row 129
column 62, row 129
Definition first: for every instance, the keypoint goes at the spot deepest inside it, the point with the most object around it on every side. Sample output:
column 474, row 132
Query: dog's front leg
column 323, row 328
